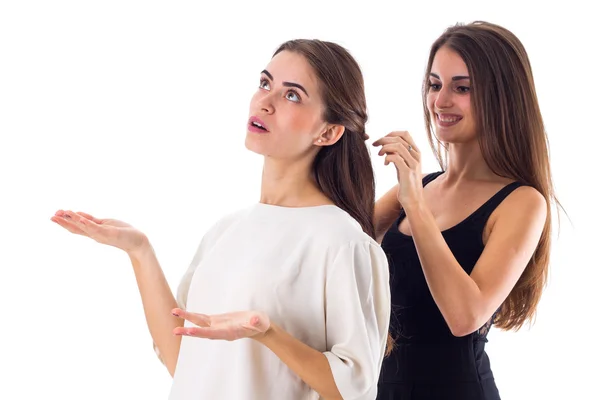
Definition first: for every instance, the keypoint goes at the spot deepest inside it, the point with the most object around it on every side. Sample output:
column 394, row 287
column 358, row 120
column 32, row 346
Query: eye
column 292, row 95
column 434, row 86
column 463, row 89
column 264, row 84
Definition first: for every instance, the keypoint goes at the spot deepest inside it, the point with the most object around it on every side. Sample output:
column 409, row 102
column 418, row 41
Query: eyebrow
column 454, row 78
column 286, row 84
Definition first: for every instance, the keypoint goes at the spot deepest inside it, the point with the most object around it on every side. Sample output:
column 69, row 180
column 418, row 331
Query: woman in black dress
column 468, row 246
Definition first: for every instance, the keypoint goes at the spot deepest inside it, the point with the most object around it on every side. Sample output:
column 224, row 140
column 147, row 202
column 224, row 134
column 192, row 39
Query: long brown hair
column 512, row 138
column 343, row 171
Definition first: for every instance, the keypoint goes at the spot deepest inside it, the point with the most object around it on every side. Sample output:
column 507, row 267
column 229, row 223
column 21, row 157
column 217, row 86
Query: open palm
column 111, row 232
column 228, row 326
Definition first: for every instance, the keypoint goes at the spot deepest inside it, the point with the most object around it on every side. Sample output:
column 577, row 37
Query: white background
column 137, row 111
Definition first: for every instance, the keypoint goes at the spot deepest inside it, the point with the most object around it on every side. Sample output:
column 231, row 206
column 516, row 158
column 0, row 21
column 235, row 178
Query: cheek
column 430, row 102
column 465, row 104
column 300, row 120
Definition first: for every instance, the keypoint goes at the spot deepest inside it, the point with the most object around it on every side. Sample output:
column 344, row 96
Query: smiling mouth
column 447, row 120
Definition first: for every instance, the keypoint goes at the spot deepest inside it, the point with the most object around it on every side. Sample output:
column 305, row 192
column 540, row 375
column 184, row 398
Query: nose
column 443, row 99
column 265, row 104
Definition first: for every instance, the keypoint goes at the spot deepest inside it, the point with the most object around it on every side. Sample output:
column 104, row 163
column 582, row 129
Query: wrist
column 414, row 207
column 267, row 336
column 142, row 251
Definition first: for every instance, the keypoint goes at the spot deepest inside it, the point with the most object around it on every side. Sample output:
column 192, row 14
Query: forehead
column 289, row 66
column 448, row 63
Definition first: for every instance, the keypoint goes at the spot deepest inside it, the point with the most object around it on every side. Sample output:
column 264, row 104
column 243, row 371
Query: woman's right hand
column 106, row 231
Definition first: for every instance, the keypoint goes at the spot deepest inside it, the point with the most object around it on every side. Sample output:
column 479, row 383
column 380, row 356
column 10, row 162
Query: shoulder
column 525, row 207
column 340, row 227
column 348, row 240
column 341, row 239
column 218, row 228
column 360, row 264
column 226, row 221
column 524, row 198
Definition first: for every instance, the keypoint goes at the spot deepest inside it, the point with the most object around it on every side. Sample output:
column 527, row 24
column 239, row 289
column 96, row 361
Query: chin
column 448, row 136
column 254, row 145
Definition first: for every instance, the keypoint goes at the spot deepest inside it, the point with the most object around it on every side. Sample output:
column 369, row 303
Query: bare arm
column 157, row 301
column 468, row 301
column 387, row 209
column 309, row 364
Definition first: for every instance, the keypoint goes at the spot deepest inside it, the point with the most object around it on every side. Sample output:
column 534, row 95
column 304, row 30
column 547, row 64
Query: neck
column 290, row 184
column 466, row 163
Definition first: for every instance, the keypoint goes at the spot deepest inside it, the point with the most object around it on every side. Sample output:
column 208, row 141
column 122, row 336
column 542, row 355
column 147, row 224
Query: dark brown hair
column 343, row 170
column 511, row 136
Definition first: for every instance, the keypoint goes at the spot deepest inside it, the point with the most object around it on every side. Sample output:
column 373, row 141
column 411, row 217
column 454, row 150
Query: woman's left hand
column 229, row 326
column 400, row 149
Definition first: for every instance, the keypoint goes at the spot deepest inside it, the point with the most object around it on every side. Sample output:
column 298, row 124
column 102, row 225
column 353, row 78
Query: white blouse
column 315, row 273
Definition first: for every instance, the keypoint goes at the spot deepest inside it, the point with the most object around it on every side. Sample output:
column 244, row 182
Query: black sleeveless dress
column 428, row 361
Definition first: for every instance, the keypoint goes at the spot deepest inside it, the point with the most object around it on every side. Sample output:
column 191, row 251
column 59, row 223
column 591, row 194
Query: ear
column 330, row 135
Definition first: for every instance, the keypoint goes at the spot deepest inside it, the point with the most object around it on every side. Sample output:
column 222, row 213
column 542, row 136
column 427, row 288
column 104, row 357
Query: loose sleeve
column 357, row 318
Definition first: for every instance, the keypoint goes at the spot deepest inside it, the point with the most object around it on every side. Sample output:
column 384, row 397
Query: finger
column 89, row 225
column 64, row 214
column 81, row 222
column 60, row 213
column 392, row 139
column 399, row 140
column 90, row 217
column 386, row 140
column 407, row 138
column 413, row 146
column 195, row 318
column 99, row 233
column 67, row 225
column 64, row 219
column 410, row 149
column 235, row 318
column 389, row 136
column 257, row 324
column 205, row 332
column 398, row 162
column 411, row 159
column 394, row 136
column 379, row 141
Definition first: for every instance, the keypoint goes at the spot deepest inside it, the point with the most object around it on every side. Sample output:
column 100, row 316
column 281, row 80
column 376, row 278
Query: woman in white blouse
column 287, row 298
